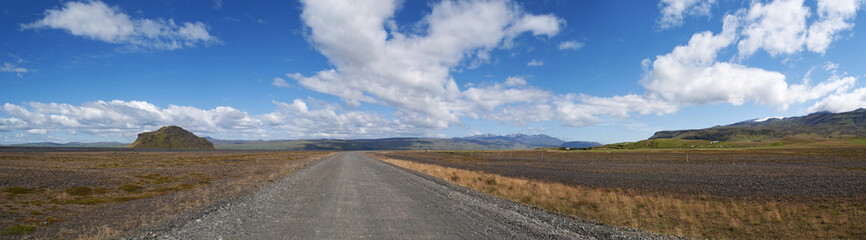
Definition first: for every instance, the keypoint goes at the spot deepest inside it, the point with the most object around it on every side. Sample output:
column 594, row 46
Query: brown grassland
column 715, row 194
column 99, row 193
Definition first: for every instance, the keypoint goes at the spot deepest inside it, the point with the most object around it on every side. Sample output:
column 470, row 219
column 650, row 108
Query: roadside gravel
column 351, row 196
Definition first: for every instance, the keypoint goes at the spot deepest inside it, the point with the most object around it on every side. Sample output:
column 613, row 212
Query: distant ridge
column 579, row 144
column 819, row 124
column 538, row 140
column 174, row 134
column 171, row 137
column 478, row 142
column 72, row 144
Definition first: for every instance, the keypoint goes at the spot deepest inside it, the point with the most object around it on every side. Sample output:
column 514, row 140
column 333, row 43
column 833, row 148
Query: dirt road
column 351, row 196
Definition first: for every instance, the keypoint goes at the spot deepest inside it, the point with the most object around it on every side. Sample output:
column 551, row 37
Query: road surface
column 351, row 196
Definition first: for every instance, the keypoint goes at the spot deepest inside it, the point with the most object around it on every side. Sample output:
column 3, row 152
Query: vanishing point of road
column 351, row 196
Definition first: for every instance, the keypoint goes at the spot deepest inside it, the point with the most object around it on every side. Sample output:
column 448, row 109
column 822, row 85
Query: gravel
column 353, row 196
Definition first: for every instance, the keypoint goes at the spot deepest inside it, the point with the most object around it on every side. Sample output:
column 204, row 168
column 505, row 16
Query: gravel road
column 351, row 196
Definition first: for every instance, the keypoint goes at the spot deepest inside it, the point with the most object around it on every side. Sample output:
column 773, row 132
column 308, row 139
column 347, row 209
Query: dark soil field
column 98, row 193
column 801, row 175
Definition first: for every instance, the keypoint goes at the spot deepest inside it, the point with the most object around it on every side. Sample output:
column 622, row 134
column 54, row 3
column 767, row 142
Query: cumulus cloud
column 127, row 117
column 279, row 82
column 841, row 102
column 673, row 11
column 535, row 63
column 781, row 27
column 409, row 71
column 515, row 81
column 37, row 131
column 570, row 45
column 778, row 27
column 298, row 120
column 835, row 16
column 118, row 118
column 691, row 75
column 98, row 21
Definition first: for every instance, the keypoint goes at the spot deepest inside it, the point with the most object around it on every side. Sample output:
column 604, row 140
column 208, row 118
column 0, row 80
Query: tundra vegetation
column 740, row 193
column 99, row 193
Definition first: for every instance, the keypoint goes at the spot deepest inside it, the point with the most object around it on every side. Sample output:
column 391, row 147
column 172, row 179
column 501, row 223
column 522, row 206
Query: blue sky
column 606, row 71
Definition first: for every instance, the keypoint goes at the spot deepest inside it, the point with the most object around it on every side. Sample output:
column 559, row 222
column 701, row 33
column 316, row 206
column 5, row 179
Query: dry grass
column 102, row 194
column 698, row 216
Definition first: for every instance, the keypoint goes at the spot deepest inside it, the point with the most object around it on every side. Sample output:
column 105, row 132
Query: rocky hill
column 171, row 137
column 819, row 124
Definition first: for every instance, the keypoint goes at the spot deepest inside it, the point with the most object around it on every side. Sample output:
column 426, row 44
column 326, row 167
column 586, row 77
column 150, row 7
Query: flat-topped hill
column 171, row 137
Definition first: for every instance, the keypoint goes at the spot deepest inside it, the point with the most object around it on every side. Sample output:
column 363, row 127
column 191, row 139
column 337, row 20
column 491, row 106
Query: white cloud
column 12, row 68
column 98, row 21
column 299, row 121
column 535, row 63
column 409, row 71
column 515, row 81
column 778, row 27
column 37, row 131
column 279, row 82
column 782, row 26
column 570, row 45
column 690, row 75
column 673, row 11
column 127, row 117
column 119, row 118
column 842, row 102
column 835, row 16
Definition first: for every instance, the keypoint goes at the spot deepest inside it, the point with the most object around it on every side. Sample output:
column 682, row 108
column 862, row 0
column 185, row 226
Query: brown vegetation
column 668, row 204
column 93, row 194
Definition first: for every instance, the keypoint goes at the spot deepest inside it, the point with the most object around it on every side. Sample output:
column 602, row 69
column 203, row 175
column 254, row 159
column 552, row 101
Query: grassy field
column 716, row 194
column 802, row 141
column 91, row 194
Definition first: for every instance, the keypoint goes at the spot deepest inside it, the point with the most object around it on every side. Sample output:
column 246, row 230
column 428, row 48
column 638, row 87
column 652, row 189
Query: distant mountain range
column 819, row 124
column 478, row 142
column 72, row 144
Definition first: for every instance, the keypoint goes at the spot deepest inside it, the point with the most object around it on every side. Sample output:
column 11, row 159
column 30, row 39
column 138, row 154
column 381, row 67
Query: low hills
column 478, row 142
column 579, row 144
column 820, row 129
column 171, row 137
column 819, row 124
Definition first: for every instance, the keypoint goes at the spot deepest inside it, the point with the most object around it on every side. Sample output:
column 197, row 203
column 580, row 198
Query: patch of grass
column 51, row 220
column 90, row 200
column 204, row 181
column 857, row 140
column 18, row 230
column 130, row 188
column 184, row 186
column 690, row 216
column 84, row 200
column 156, row 178
column 19, row 190
column 134, row 197
column 79, row 191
